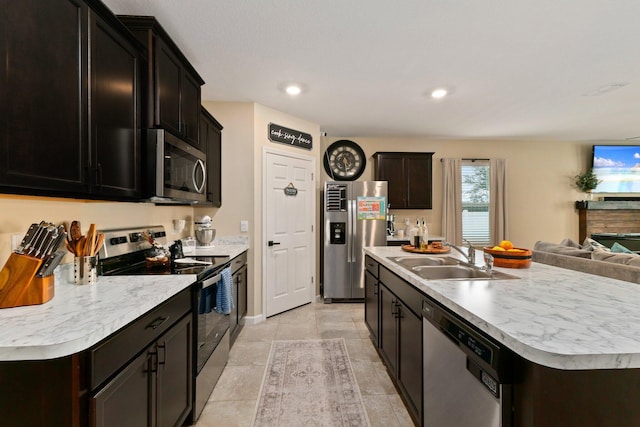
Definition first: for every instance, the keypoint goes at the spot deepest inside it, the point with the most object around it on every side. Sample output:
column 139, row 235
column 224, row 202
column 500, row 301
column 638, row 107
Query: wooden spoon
column 75, row 232
column 99, row 243
column 70, row 247
column 91, row 240
column 81, row 246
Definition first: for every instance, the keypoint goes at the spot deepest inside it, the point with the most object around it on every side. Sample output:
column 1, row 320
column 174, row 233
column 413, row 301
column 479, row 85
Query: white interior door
column 289, row 227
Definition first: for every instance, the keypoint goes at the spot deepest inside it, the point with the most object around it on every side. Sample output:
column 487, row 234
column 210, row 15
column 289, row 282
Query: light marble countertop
column 551, row 316
column 230, row 246
column 77, row 317
column 231, row 251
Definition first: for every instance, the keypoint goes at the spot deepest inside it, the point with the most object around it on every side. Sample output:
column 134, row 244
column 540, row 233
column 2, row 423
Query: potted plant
column 587, row 181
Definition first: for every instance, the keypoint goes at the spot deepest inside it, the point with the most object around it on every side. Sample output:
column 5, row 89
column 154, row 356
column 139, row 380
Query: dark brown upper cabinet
column 409, row 177
column 211, row 141
column 69, row 99
column 172, row 85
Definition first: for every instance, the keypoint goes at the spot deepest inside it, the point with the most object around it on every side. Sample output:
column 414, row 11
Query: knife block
column 19, row 285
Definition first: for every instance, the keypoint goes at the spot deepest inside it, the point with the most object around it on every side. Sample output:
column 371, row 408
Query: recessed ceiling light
column 439, row 93
column 293, row 90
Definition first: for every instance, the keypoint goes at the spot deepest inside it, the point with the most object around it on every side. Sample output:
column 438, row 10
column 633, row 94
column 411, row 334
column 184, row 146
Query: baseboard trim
column 253, row 320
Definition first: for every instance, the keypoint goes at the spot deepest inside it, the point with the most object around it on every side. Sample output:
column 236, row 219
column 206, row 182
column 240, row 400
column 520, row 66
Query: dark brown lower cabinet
column 125, row 401
column 400, row 338
column 239, row 278
column 410, row 358
column 154, row 389
column 547, row 397
column 140, row 376
column 174, row 375
column 371, row 309
column 388, row 329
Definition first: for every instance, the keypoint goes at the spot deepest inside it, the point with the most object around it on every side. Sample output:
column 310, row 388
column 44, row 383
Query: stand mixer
column 204, row 233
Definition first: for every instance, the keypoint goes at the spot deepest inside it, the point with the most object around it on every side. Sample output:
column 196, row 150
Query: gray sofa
column 589, row 257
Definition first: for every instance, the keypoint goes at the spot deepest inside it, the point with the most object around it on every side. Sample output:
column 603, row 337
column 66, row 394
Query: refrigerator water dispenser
column 338, row 233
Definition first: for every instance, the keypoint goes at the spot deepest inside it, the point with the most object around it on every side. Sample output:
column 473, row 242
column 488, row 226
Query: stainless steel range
column 127, row 251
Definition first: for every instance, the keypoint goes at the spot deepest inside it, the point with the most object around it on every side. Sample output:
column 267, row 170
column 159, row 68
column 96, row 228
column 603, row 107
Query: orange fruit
column 506, row 244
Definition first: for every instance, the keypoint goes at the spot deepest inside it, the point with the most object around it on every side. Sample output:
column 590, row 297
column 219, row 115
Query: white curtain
column 498, row 199
column 452, row 200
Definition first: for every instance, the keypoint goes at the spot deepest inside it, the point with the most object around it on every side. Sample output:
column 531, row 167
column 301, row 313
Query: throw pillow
column 617, row 247
column 591, row 245
column 571, row 243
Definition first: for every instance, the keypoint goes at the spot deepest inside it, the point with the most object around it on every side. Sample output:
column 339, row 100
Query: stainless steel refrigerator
column 354, row 217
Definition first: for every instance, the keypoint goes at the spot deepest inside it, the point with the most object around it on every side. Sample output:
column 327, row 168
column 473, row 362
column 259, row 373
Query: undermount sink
column 447, row 268
column 425, row 260
column 459, row 272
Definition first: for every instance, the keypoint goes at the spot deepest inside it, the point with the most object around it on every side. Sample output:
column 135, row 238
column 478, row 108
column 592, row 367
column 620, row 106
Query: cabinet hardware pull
column 162, row 346
column 157, row 322
column 99, row 175
column 152, row 361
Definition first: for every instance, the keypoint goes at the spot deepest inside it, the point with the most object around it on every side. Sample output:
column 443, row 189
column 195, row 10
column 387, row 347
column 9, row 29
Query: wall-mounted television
column 617, row 167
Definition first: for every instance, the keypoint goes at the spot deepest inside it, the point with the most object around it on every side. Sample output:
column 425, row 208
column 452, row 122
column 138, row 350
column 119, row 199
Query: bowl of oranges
column 506, row 255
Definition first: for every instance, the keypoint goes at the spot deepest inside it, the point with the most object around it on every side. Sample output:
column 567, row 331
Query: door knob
column 272, row 243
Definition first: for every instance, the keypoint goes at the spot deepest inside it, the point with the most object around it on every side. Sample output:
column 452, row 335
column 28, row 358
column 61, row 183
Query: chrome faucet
column 471, row 252
column 488, row 262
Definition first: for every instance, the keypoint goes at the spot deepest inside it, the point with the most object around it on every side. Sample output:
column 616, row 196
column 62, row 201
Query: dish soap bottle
column 425, row 232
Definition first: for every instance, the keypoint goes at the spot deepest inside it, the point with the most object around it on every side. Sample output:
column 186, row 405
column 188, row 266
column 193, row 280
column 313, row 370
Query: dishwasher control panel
column 479, row 348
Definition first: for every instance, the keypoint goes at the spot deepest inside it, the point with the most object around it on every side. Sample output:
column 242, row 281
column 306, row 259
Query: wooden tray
column 429, row 250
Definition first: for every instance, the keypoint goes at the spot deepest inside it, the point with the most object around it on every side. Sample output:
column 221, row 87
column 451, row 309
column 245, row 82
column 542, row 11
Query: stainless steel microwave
column 176, row 171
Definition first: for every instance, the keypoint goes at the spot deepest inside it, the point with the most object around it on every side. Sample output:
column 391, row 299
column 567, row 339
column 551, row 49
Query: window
column 475, row 202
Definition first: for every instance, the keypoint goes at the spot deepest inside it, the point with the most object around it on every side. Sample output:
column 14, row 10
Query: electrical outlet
column 15, row 241
column 244, row 226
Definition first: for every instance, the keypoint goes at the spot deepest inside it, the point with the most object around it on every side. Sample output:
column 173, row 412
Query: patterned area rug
column 309, row 383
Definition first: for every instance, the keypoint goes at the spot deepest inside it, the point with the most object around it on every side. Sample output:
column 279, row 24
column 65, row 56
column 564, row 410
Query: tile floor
column 234, row 398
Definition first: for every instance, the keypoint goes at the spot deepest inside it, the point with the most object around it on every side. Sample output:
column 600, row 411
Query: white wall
column 17, row 213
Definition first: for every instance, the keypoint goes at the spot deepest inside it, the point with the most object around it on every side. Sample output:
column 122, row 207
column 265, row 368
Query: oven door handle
column 211, row 281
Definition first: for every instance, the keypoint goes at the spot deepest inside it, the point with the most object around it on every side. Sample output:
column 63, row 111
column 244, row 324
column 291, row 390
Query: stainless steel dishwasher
column 466, row 375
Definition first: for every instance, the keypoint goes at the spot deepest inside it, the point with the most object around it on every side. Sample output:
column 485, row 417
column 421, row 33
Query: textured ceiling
column 517, row 69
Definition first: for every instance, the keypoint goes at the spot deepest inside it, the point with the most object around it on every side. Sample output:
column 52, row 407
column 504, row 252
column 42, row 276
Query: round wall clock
column 344, row 160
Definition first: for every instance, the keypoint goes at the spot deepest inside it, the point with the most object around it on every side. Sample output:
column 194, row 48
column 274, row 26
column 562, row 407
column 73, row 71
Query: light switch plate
column 15, row 241
column 244, row 226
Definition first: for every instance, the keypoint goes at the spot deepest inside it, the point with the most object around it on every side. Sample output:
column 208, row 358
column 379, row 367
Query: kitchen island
column 575, row 337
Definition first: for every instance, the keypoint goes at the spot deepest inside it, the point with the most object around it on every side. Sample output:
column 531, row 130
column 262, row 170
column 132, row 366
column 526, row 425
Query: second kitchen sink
column 425, row 260
column 459, row 272
column 447, row 268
